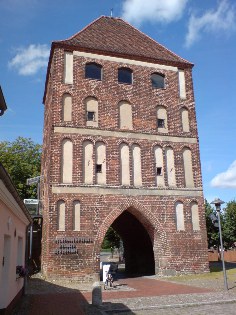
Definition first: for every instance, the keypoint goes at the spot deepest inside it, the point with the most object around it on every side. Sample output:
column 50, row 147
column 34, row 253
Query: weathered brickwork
column 154, row 207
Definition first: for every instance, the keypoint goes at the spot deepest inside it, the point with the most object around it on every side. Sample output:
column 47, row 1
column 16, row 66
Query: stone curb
column 104, row 312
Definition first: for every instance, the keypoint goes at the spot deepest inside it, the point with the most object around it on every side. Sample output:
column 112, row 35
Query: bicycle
column 108, row 282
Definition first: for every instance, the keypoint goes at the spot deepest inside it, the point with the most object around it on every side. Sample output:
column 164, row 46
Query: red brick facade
column 154, row 207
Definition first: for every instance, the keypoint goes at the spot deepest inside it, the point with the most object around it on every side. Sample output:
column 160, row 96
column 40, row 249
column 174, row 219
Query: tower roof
column 114, row 36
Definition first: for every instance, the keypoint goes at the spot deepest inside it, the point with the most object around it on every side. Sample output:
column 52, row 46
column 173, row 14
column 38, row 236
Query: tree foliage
column 212, row 231
column 21, row 158
column 229, row 224
column 111, row 239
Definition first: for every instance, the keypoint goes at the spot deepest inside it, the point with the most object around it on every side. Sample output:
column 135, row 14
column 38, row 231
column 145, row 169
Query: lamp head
column 217, row 202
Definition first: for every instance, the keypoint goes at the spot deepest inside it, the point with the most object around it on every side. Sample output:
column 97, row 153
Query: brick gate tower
column 120, row 149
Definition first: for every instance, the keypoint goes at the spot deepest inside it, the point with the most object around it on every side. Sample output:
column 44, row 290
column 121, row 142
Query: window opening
column 91, row 116
column 159, row 171
column 160, row 123
column 125, row 76
column 98, row 168
column 93, row 71
column 158, row 81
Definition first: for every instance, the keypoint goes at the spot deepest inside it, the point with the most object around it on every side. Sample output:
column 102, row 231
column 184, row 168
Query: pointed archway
column 138, row 247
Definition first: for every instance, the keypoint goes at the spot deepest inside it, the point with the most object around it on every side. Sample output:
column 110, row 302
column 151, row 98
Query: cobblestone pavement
column 145, row 295
column 216, row 309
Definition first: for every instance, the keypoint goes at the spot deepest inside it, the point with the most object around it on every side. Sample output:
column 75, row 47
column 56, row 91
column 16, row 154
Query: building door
column 5, row 281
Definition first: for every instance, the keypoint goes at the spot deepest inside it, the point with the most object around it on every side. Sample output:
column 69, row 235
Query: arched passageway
column 138, row 248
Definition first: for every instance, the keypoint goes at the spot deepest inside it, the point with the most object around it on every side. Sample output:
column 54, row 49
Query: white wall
column 88, row 162
column 13, row 224
column 179, row 209
column 125, row 112
column 137, row 165
column 124, row 167
column 159, row 163
column 67, row 107
column 170, row 167
column 185, row 120
column 101, row 159
column 182, row 87
column 195, row 216
column 188, row 168
column 67, row 161
column 68, row 68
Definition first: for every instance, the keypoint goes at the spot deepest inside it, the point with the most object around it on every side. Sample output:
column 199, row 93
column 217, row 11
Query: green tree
column 21, row 159
column 212, row 231
column 229, row 226
column 111, row 239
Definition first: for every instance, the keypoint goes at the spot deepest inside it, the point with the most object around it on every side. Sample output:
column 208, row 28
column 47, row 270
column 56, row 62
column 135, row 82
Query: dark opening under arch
column 138, row 249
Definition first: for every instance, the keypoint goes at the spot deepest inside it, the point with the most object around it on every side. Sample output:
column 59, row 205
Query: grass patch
column 106, row 250
column 215, row 273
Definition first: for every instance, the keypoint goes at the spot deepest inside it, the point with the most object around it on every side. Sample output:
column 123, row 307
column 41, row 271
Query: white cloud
column 226, row 179
column 138, row 11
column 30, row 60
column 213, row 21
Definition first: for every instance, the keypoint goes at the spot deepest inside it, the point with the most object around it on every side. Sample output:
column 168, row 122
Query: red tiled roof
column 114, row 36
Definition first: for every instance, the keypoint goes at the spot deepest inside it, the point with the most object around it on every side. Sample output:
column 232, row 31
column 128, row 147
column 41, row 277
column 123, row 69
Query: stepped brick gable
column 120, row 149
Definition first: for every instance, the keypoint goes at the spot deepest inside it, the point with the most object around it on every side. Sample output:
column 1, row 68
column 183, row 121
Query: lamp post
column 217, row 202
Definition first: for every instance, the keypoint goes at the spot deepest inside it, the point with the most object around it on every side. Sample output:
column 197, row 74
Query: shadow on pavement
column 217, row 265
column 46, row 298
column 116, row 308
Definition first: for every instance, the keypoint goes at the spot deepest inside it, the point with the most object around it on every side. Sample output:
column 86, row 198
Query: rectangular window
column 160, row 123
column 91, row 116
column 98, row 168
column 159, row 171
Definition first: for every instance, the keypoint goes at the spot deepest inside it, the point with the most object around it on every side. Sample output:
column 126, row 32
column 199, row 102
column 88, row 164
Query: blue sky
column 203, row 32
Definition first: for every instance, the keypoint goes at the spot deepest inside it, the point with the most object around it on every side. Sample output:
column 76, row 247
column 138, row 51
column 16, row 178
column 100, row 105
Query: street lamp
column 217, row 202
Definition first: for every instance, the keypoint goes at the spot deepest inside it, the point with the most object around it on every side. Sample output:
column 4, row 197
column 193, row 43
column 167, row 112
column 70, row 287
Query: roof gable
column 114, row 36
column 3, row 105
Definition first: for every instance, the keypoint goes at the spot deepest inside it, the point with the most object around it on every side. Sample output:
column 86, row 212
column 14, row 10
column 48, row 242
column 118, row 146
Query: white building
column 14, row 220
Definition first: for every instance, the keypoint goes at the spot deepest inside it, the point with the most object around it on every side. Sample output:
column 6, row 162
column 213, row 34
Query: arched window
column 195, row 216
column 91, row 105
column 188, row 167
column 125, row 111
column 179, row 211
column 61, row 213
column 185, row 119
column 170, row 167
column 93, row 71
column 159, row 166
column 100, row 166
column 76, row 215
column 162, row 125
column 124, row 164
column 125, row 75
column 88, row 162
column 67, row 107
column 67, row 161
column 158, row 80
column 137, row 165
